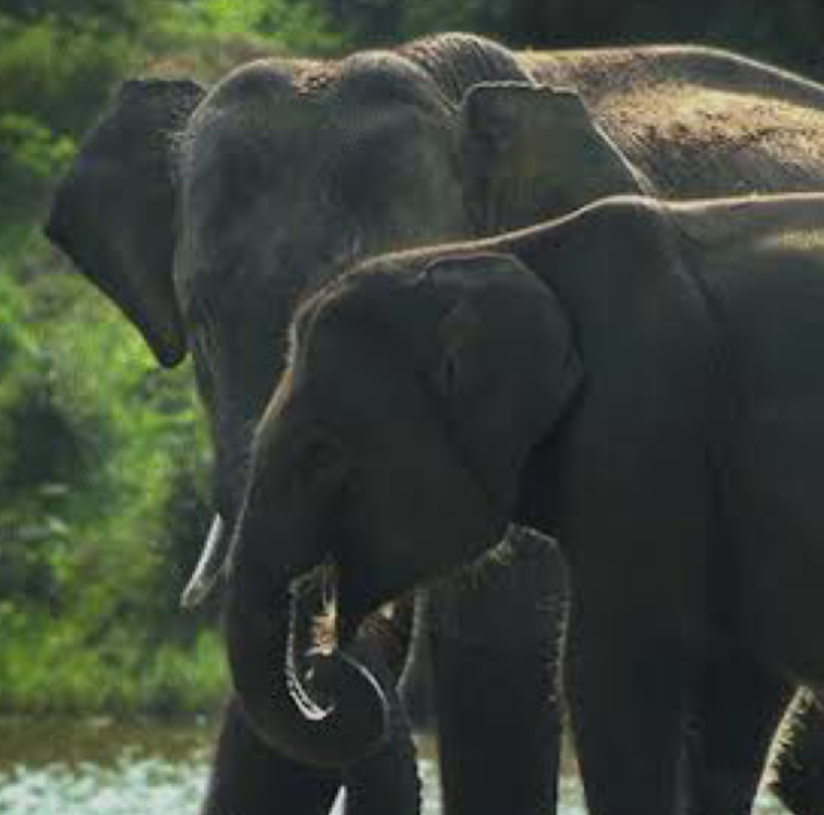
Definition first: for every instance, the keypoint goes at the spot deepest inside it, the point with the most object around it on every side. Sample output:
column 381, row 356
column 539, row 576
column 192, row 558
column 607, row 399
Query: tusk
column 209, row 567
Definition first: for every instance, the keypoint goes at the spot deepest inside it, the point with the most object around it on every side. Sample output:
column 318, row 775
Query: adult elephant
column 206, row 215
column 641, row 380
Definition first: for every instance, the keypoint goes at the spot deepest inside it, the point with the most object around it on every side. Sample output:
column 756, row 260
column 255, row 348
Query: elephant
column 205, row 214
column 639, row 380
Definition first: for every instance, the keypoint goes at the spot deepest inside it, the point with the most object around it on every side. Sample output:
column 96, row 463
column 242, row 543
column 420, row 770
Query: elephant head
column 390, row 452
column 205, row 215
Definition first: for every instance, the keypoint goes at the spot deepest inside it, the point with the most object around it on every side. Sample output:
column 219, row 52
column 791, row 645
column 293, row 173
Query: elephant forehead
column 268, row 81
column 315, row 184
column 252, row 145
column 253, row 135
column 276, row 95
column 297, row 187
column 384, row 78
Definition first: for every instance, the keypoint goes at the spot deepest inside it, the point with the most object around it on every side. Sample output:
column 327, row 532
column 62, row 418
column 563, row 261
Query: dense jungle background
column 103, row 458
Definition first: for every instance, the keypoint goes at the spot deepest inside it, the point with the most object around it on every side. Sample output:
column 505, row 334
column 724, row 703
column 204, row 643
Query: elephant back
column 458, row 61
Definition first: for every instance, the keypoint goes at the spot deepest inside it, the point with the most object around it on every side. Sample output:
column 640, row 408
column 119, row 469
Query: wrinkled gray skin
column 642, row 381
column 205, row 215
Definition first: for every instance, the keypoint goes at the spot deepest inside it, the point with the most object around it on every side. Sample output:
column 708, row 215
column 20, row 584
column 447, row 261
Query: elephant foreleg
column 737, row 709
column 635, row 540
column 799, row 769
column 627, row 699
column 495, row 636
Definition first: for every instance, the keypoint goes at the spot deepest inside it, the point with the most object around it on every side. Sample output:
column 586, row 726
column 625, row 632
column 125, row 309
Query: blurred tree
column 122, row 14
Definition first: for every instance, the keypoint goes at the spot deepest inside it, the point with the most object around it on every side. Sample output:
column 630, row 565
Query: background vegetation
column 103, row 460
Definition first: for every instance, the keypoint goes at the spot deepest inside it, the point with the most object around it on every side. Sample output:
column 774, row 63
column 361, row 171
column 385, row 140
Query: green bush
column 282, row 26
column 47, row 666
column 52, row 82
column 103, row 477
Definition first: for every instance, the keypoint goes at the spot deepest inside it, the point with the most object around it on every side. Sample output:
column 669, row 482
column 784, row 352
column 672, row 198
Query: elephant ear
column 506, row 366
column 113, row 213
column 531, row 153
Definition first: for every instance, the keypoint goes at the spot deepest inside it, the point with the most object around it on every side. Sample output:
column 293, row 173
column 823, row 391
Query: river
column 101, row 766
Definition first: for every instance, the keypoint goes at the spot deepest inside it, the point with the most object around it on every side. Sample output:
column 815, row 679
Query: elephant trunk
column 279, row 688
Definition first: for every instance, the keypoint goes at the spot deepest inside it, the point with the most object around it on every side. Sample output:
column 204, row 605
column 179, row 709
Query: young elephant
column 641, row 380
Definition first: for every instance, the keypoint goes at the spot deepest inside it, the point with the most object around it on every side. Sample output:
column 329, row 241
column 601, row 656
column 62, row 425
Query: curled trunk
column 279, row 690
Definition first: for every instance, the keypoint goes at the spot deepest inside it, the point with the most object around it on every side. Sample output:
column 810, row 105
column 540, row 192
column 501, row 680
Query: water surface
column 105, row 767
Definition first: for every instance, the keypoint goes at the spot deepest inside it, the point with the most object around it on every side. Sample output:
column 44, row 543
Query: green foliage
column 278, row 25
column 103, row 459
column 102, row 462
column 52, row 80
column 33, row 147
column 48, row 666
column 108, row 14
column 30, row 156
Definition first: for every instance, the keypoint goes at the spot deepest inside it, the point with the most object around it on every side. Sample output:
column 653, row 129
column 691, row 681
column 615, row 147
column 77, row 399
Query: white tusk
column 208, row 568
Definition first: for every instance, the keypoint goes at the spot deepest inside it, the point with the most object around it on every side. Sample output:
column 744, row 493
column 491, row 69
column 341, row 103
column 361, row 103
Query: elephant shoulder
column 639, row 222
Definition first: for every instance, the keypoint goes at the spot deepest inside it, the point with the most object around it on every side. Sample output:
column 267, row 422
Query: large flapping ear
column 533, row 152
column 113, row 214
column 507, row 365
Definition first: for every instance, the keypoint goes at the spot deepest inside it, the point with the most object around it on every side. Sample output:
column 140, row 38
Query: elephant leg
column 627, row 712
column 416, row 682
column 798, row 777
column 247, row 777
column 737, row 709
column 495, row 635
